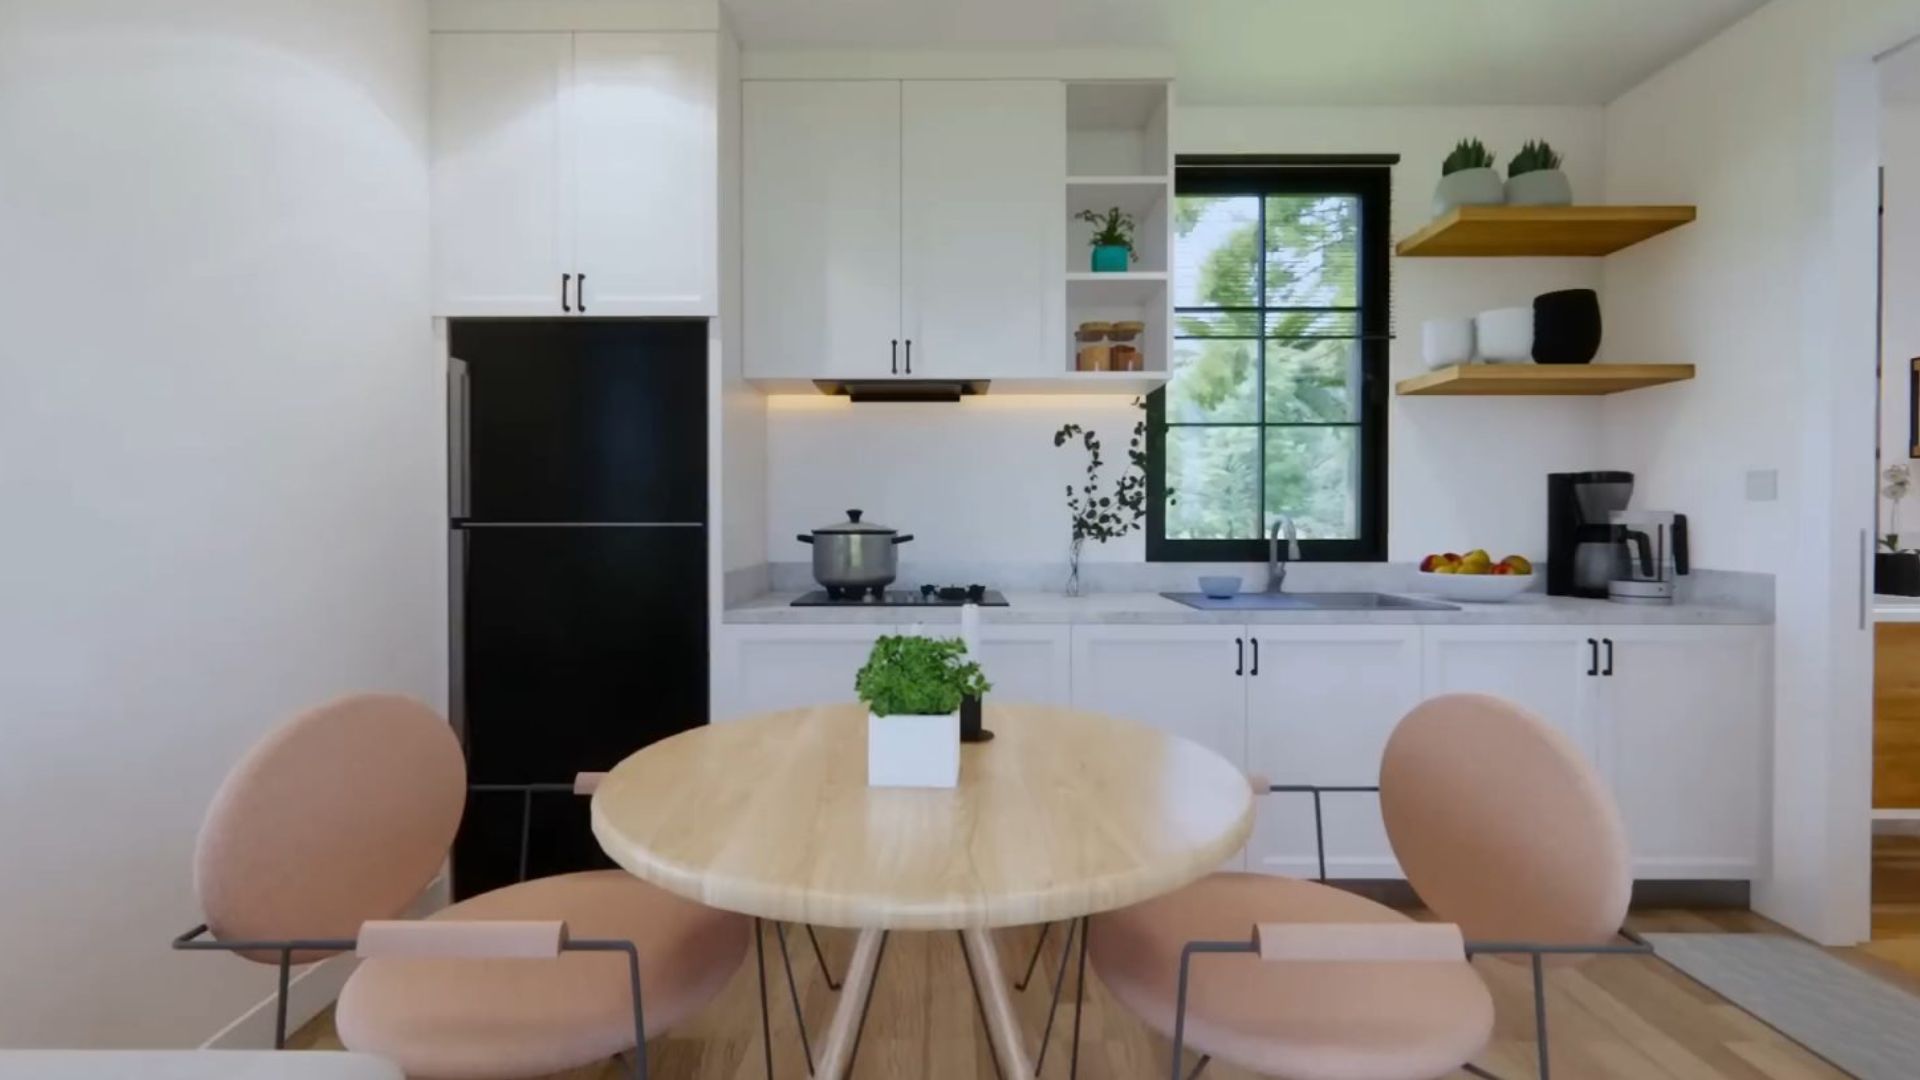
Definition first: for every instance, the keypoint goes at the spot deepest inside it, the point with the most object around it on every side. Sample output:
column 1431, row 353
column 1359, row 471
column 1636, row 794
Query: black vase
column 1896, row 573
column 970, row 729
column 1566, row 327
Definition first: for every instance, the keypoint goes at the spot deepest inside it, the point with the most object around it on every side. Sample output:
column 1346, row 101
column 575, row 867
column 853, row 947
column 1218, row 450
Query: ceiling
column 1298, row 52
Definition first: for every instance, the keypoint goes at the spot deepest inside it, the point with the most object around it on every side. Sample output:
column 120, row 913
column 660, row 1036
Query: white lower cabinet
column 765, row 668
column 1320, row 705
column 1029, row 664
column 1552, row 670
column 1186, row 680
column 1685, row 743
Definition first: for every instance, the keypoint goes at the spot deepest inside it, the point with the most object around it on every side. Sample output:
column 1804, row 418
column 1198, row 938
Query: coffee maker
column 1654, row 549
column 1584, row 555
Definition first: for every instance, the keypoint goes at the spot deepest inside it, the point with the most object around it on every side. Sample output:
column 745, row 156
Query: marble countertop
column 1893, row 609
column 1043, row 608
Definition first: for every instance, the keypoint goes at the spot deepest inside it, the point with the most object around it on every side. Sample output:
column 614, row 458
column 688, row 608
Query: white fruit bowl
column 1476, row 588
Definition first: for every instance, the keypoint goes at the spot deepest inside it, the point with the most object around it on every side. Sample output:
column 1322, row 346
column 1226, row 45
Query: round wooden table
column 1066, row 813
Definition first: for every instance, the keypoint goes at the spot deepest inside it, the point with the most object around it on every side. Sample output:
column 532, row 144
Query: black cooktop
column 924, row 596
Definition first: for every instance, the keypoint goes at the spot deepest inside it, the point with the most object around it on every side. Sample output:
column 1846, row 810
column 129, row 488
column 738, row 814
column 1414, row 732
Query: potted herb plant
column 1112, row 240
column 1896, row 572
column 913, row 688
column 1468, row 178
column 1534, row 177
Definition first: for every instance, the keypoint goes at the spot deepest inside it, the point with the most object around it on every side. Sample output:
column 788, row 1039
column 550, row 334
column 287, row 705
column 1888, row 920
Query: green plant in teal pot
column 1112, row 239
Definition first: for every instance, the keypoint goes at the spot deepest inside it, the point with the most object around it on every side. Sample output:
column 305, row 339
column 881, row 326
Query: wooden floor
column 1617, row 1018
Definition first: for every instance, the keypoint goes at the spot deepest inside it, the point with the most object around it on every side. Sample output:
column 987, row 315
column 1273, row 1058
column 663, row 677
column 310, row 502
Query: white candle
column 970, row 629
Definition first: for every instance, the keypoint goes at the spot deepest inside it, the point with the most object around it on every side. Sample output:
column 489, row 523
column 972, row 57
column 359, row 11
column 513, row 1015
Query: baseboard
column 312, row 989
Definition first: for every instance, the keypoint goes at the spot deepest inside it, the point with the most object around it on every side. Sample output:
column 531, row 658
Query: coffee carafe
column 1653, row 555
column 1583, row 552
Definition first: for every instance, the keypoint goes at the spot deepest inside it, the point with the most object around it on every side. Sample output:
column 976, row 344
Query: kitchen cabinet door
column 766, row 668
column 1320, row 705
column 502, row 218
column 644, row 140
column 1684, row 739
column 984, row 164
column 821, row 221
column 1185, row 680
column 1552, row 670
column 1028, row 664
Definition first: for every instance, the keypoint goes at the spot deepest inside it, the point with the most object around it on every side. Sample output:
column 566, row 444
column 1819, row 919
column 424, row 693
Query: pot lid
column 853, row 524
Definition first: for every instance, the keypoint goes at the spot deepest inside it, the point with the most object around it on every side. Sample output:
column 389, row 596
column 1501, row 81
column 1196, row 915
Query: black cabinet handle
column 896, row 356
column 566, row 282
column 1256, row 657
column 909, row 356
column 1609, row 672
column 1593, row 658
column 580, row 294
column 1240, row 644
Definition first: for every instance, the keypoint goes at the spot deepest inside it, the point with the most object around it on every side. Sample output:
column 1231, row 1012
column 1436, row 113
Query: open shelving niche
column 1120, row 153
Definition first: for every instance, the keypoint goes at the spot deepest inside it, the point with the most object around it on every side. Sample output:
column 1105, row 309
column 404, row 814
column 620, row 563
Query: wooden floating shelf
column 1514, row 380
column 1506, row 231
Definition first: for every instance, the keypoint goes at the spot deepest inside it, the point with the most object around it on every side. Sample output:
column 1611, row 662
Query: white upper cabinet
column 983, row 167
column 821, row 228
column 500, row 197
column 558, row 157
column 645, row 173
column 904, row 230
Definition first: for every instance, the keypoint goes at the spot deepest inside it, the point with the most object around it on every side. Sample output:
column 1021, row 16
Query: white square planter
column 913, row 751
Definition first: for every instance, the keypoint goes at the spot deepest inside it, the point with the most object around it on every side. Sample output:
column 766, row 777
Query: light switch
column 1763, row 485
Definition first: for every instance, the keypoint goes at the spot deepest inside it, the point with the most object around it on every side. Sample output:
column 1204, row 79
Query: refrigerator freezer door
column 583, row 421
column 579, row 646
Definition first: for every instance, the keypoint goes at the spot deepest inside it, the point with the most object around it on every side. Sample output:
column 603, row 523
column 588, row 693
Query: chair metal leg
column 980, row 1003
column 1053, row 1009
column 793, row 991
column 280, row 1000
column 1540, row 1015
column 1079, row 1001
column 821, row 958
column 1034, row 960
column 766, row 1019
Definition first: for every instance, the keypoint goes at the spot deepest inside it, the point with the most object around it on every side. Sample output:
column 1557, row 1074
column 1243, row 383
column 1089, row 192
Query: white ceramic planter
column 913, row 751
column 1444, row 342
column 1545, row 187
column 1505, row 335
column 1468, row 187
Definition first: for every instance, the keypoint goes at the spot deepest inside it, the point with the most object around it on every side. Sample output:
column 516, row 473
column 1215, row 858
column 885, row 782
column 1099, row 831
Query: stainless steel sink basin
column 1326, row 601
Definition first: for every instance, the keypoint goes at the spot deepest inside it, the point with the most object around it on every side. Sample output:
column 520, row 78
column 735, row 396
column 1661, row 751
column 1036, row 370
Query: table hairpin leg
column 821, row 958
column 842, row 1042
column 996, row 1005
column 1034, row 960
column 793, row 992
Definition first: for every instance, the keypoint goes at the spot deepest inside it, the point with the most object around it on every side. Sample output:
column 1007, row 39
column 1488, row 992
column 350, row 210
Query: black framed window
column 1277, row 402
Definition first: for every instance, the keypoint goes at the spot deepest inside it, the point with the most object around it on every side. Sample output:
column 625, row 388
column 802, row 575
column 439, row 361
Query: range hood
column 902, row 389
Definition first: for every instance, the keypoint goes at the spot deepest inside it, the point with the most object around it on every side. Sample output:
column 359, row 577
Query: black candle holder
column 971, row 730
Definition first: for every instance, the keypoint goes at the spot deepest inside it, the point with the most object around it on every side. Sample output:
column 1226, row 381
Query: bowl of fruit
column 1475, row 577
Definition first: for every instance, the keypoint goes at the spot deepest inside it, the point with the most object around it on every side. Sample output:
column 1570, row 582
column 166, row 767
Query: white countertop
column 1043, row 608
column 1892, row 609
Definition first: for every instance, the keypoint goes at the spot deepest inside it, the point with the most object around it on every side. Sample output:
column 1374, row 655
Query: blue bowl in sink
column 1220, row 587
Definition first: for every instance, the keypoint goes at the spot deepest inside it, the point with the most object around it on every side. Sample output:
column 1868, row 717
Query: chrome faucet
column 1277, row 570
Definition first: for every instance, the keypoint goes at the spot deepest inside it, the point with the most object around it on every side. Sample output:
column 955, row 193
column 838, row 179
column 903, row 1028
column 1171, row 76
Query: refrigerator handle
column 459, row 442
column 457, row 632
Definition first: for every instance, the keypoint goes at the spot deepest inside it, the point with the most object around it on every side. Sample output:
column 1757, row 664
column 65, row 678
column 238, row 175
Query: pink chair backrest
column 342, row 815
column 1502, row 826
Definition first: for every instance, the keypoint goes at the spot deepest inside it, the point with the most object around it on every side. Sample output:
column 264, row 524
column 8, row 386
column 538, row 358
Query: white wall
column 220, row 456
column 1769, row 128
column 1900, row 154
column 929, row 469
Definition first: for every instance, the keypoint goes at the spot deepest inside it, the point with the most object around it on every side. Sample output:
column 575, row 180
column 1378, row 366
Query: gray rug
column 1863, row 1025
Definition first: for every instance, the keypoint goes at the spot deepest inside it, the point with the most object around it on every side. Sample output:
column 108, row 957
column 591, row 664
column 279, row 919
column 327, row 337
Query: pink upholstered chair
column 332, row 826
column 1503, row 829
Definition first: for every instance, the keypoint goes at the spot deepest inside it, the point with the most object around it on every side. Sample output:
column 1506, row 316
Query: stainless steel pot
column 855, row 554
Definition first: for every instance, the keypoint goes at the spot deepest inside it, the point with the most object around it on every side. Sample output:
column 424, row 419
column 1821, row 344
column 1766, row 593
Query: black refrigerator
column 578, row 488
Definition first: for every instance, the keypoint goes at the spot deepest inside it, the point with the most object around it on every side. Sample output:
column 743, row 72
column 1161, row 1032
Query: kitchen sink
column 1325, row 601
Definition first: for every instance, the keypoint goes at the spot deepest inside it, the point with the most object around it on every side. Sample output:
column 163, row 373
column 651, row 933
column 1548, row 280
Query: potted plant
column 1534, row 177
column 1100, row 516
column 913, row 688
column 1468, row 178
column 1896, row 572
column 1112, row 240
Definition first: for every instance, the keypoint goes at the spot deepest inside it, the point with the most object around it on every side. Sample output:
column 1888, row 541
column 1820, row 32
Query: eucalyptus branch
column 1099, row 515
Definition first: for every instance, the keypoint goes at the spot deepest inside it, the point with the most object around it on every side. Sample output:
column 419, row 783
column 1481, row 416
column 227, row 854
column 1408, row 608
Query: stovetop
column 924, row 596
